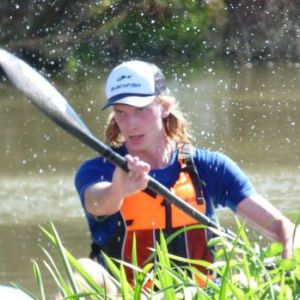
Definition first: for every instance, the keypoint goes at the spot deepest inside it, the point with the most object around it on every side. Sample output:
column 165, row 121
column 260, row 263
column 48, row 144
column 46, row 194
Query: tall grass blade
column 29, row 294
column 70, row 261
column 125, row 290
column 65, row 261
column 163, row 272
column 134, row 257
column 111, row 266
column 226, row 276
column 56, row 274
column 141, row 279
column 39, row 280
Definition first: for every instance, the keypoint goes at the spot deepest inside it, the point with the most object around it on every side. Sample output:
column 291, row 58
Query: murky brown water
column 253, row 115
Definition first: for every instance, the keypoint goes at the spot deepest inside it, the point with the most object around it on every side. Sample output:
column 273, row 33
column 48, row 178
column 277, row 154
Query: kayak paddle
column 47, row 99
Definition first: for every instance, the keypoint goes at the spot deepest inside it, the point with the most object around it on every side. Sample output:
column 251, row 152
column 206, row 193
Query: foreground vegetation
column 244, row 271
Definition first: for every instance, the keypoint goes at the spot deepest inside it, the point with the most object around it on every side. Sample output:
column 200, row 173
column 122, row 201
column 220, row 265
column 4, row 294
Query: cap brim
column 136, row 101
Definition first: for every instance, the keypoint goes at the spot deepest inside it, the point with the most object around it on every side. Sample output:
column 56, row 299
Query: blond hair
column 175, row 125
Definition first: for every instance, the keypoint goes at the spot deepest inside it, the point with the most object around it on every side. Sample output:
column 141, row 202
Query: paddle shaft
column 43, row 95
column 90, row 140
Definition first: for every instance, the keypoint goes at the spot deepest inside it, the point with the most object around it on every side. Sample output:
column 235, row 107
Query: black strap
column 168, row 215
column 95, row 250
column 187, row 154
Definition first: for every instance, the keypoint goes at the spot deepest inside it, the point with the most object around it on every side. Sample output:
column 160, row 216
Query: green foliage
column 176, row 31
column 243, row 269
column 168, row 32
column 74, row 37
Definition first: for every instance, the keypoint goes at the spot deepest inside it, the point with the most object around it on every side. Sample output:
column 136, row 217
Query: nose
column 132, row 122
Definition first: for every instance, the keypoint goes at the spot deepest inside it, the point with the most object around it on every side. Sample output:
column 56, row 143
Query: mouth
column 136, row 138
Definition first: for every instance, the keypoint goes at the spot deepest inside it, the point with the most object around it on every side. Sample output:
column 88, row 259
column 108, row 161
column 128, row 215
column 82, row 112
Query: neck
column 158, row 156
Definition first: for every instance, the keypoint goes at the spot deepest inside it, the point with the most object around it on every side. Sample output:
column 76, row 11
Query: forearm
column 102, row 199
column 279, row 230
column 285, row 232
column 106, row 198
column 270, row 221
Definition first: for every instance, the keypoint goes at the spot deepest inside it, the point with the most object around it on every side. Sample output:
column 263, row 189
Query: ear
column 165, row 114
column 166, row 107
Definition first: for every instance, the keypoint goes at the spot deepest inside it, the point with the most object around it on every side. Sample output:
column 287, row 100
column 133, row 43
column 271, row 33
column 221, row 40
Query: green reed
column 244, row 270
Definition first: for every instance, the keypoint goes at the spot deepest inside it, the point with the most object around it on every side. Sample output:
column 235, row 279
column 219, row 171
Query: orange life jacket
column 146, row 214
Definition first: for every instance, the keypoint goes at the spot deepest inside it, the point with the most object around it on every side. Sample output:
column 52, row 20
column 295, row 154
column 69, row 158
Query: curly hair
column 175, row 125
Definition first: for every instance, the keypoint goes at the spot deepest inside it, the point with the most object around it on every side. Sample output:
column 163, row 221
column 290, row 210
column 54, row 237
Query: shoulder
column 210, row 157
column 217, row 164
column 95, row 162
column 92, row 165
column 90, row 172
column 226, row 182
column 99, row 162
column 95, row 170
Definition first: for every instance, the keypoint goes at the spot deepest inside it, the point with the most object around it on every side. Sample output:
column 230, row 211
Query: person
column 147, row 127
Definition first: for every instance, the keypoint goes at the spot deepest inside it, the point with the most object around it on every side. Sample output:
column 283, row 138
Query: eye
column 142, row 109
column 119, row 112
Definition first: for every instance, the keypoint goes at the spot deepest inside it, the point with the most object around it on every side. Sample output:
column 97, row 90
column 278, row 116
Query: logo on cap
column 125, row 85
column 123, row 77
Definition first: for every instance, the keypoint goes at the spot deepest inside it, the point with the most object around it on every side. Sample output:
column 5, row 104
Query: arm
column 274, row 225
column 106, row 198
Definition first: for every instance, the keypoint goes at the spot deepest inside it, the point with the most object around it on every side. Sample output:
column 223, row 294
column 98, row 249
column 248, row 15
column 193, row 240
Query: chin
column 136, row 147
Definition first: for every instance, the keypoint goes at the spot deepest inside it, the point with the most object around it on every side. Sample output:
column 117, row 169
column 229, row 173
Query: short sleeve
column 226, row 184
column 91, row 172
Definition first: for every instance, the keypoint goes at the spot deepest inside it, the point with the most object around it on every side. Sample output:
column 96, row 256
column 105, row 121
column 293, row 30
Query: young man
column 147, row 127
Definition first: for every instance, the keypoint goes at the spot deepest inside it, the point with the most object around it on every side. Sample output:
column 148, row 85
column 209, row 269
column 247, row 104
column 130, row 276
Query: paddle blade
column 41, row 92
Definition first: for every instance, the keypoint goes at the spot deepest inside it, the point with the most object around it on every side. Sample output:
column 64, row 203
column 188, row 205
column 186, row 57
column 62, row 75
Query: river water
column 251, row 114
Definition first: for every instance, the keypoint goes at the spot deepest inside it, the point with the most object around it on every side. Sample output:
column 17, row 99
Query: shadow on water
column 252, row 115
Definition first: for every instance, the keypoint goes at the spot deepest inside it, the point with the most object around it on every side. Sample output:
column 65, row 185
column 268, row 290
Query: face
column 142, row 127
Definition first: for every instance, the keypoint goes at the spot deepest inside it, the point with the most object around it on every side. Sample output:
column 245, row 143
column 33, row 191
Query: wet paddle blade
column 40, row 92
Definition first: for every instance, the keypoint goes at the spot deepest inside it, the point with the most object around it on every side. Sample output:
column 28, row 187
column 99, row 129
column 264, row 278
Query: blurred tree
column 77, row 35
column 70, row 34
column 263, row 30
column 50, row 29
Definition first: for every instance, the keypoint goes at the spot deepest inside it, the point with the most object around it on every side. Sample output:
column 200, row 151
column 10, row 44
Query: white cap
column 135, row 83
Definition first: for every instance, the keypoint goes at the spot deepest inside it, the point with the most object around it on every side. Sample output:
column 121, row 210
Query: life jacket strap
column 186, row 155
column 187, row 164
column 95, row 250
column 168, row 212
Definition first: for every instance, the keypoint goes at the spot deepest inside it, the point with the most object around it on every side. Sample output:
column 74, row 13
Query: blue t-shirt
column 225, row 184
